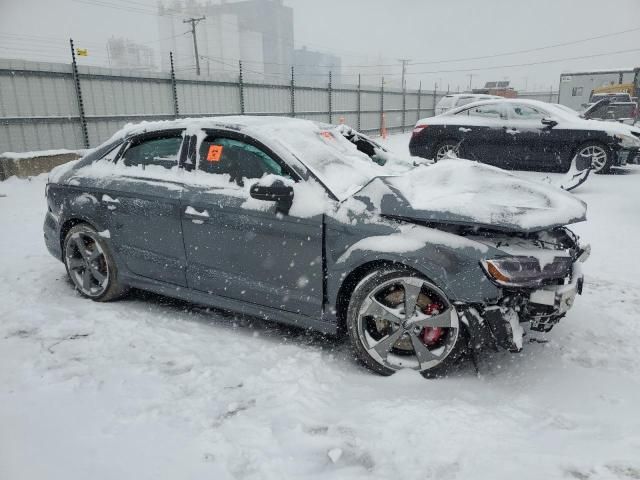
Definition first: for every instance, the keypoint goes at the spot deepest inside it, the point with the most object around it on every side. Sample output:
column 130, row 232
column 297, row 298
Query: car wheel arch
column 68, row 225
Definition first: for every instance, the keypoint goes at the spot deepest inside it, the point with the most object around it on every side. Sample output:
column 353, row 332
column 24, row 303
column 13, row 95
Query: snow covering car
column 316, row 226
column 454, row 100
column 523, row 134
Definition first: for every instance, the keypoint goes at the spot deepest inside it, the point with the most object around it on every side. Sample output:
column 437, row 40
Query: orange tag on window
column 326, row 134
column 214, row 153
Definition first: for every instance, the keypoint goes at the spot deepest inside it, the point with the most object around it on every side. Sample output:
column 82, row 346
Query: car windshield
column 331, row 157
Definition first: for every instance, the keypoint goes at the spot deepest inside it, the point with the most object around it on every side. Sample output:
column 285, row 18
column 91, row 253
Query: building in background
column 313, row 67
column 576, row 87
column 258, row 32
column 123, row 53
column 501, row 89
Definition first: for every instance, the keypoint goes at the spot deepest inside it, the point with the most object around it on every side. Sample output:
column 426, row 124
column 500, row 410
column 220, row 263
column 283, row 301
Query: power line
column 529, row 50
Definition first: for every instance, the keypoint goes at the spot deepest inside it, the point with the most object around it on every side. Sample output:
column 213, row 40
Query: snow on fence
column 47, row 106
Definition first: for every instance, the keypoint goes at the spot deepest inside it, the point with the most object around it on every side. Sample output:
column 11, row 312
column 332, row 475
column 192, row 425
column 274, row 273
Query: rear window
column 464, row 100
column 446, row 102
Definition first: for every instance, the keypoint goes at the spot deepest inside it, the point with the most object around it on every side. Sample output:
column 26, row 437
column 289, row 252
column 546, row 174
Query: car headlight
column 520, row 271
column 627, row 141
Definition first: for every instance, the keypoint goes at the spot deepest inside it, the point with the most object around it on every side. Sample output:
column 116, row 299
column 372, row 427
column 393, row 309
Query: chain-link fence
column 53, row 105
column 47, row 106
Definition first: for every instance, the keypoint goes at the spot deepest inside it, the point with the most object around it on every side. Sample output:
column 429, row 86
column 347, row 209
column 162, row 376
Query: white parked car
column 454, row 100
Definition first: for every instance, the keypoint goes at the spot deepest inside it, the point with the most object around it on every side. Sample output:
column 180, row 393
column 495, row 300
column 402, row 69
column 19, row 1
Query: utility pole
column 404, row 62
column 470, row 75
column 194, row 22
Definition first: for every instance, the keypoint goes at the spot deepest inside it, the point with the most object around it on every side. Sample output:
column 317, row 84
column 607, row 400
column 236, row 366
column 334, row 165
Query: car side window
column 484, row 111
column 111, row 155
column 239, row 160
column 525, row 112
column 161, row 151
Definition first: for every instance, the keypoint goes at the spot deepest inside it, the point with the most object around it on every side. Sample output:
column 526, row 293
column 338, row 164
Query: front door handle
column 110, row 201
column 196, row 216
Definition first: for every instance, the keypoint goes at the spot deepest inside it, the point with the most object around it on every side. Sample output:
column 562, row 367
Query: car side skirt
column 223, row 303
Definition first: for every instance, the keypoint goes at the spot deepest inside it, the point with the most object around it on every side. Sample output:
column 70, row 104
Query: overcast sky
column 375, row 31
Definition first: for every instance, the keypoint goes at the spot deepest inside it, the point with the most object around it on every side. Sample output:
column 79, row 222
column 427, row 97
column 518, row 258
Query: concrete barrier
column 23, row 167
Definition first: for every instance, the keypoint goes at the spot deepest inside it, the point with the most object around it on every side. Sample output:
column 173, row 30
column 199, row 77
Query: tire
column 443, row 148
column 372, row 313
column 90, row 264
column 601, row 156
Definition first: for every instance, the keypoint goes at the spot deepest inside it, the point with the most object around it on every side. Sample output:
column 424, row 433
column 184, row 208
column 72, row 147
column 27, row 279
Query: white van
column 454, row 100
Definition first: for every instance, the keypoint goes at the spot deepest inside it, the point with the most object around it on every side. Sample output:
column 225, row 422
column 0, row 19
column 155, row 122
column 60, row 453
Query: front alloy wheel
column 447, row 150
column 597, row 155
column 397, row 320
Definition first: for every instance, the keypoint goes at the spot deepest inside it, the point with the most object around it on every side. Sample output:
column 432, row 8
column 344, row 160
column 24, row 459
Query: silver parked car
column 454, row 100
column 320, row 227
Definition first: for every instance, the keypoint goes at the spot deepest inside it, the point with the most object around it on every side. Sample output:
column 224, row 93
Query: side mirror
column 276, row 192
column 549, row 122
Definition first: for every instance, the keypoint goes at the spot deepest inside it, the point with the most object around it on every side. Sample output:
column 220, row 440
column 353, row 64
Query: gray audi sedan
column 318, row 226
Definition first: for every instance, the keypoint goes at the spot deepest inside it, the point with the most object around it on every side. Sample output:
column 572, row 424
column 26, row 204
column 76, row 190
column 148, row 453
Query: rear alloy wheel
column 598, row 155
column 398, row 320
column 90, row 264
column 447, row 150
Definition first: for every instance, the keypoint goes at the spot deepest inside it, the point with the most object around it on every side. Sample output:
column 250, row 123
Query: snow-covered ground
column 149, row 388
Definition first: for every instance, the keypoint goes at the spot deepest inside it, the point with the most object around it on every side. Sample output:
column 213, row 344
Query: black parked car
column 523, row 134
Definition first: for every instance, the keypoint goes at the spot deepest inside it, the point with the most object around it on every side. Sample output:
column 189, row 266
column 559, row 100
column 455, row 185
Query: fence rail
column 47, row 106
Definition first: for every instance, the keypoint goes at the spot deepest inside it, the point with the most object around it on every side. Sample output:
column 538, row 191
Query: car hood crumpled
column 462, row 192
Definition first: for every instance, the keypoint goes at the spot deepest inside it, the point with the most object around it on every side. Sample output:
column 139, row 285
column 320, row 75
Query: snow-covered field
column 148, row 388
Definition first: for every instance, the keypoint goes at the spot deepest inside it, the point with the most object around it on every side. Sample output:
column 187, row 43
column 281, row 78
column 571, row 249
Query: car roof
column 501, row 100
column 479, row 95
column 242, row 123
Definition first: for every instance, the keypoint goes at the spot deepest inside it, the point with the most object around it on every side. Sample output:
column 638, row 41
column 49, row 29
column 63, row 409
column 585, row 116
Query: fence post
column 435, row 92
column 404, row 105
column 76, row 81
column 174, row 90
column 241, row 87
column 419, row 99
column 382, row 125
column 359, row 103
column 293, row 92
column 330, row 91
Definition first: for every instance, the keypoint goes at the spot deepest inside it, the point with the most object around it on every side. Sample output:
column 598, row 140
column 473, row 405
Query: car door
column 533, row 145
column 142, row 194
column 242, row 248
column 482, row 133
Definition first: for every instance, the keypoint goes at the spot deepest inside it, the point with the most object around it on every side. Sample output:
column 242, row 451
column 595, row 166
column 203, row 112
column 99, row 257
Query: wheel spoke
column 378, row 310
column 411, row 292
column 82, row 248
column 423, row 354
column 75, row 263
column 98, row 275
column 86, row 279
column 95, row 254
column 442, row 320
column 383, row 346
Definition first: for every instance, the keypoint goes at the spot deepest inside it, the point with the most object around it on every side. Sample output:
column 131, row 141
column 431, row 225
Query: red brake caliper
column 431, row 335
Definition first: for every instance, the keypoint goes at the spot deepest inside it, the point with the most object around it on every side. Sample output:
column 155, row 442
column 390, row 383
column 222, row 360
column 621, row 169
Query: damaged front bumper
column 499, row 325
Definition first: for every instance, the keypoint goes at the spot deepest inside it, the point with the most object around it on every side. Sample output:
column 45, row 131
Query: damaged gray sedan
column 318, row 226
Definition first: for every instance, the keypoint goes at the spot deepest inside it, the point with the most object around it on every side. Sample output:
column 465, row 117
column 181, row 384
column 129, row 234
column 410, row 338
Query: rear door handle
column 110, row 201
column 196, row 216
